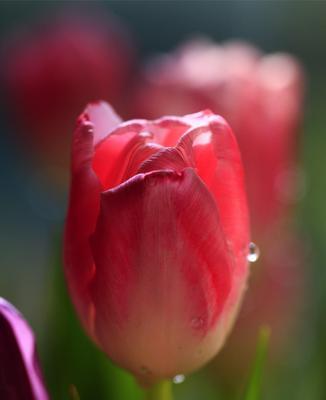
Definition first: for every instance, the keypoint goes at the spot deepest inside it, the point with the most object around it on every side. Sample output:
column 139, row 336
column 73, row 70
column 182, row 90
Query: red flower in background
column 54, row 69
column 20, row 376
column 260, row 96
column 156, row 238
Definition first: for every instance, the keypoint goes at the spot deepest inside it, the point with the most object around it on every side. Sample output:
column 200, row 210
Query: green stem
column 255, row 381
column 160, row 391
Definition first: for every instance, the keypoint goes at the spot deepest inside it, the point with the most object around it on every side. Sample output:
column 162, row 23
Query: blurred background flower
column 287, row 278
column 51, row 69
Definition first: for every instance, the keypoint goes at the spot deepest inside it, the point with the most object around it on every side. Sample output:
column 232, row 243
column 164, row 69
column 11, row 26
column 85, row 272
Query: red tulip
column 261, row 97
column 55, row 68
column 20, row 376
column 156, row 238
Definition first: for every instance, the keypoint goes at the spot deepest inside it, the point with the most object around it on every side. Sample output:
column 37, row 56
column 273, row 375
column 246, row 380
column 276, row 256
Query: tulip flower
column 156, row 238
column 260, row 96
column 53, row 69
column 20, row 376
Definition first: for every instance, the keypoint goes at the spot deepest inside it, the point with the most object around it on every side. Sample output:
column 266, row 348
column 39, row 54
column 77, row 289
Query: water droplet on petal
column 254, row 252
column 178, row 379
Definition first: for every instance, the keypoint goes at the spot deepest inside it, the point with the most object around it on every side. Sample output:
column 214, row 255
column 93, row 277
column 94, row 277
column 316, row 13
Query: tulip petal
column 162, row 269
column 104, row 119
column 92, row 126
column 114, row 156
column 215, row 153
column 81, row 218
column 168, row 130
column 124, row 149
column 210, row 146
column 20, row 376
column 166, row 158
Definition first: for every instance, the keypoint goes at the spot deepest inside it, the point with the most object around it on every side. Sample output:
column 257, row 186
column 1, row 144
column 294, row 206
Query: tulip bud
column 20, row 376
column 156, row 238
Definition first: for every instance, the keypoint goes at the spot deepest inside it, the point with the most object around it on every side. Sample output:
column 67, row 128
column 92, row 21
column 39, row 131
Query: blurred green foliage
column 253, row 391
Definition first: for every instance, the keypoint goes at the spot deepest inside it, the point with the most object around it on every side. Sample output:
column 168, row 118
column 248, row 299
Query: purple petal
column 20, row 376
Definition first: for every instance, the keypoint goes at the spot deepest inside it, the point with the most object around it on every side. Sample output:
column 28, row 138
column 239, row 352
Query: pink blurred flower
column 156, row 238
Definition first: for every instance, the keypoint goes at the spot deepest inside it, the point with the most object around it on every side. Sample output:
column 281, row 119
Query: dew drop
column 178, row 379
column 254, row 252
column 197, row 322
